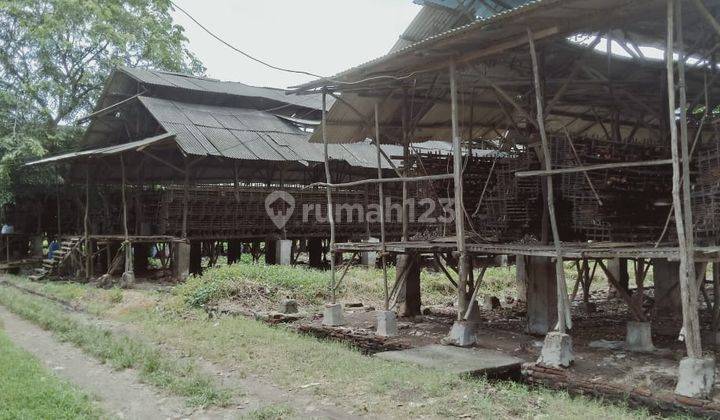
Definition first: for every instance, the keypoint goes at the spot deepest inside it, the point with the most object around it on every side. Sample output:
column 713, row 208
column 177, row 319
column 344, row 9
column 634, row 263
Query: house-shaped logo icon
column 280, row 206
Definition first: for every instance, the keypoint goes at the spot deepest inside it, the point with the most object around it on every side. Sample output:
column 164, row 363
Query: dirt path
column 119, row 393
column 123, row 395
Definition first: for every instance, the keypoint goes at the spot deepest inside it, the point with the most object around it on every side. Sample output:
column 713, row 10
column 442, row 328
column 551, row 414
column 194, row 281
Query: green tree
column 55, row 56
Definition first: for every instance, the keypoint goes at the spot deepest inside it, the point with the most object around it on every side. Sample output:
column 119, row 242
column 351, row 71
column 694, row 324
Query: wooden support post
column 564, row 319
column 328, row 193
column 459, row 207
column 691, row 322
column 186, row 193
column 406, row 164
column 59, row 223
column 381, row 196
column 88, row 248
column 126, row 243
column 716, row 300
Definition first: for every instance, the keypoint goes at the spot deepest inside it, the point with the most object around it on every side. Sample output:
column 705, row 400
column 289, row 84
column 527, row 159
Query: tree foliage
column 55, row 56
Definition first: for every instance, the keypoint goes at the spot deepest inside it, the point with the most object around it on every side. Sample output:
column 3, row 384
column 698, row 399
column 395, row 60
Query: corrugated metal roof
column 438, row 16
column 106, row 151
column 202, row 84
column 247, row 134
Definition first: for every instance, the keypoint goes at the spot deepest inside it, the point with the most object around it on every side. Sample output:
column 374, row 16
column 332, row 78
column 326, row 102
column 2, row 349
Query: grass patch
column 28, row 391
column 271, row 412
column 369, row 386
column 119, row 351
column 310, row 286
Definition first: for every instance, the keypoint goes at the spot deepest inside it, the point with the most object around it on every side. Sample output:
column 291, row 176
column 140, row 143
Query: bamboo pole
column 328, row 193
column 381, row 197
column 459, row 208
column 683, row 212
column 564, row 319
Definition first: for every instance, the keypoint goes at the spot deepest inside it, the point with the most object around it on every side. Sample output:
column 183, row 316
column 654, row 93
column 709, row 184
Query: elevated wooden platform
column 597, row 250
column 135, row 238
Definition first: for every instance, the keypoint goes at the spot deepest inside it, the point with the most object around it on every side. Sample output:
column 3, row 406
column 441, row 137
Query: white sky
column 320, row 36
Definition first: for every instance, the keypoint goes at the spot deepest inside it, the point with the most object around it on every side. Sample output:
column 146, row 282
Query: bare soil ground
column 503, row 330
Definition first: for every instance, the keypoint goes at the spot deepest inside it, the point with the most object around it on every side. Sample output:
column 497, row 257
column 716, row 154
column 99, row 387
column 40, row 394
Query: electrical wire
column 283, row 69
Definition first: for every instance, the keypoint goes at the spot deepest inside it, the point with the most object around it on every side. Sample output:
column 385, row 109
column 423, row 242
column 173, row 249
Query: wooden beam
column 700, row 6
column 598, row 167
column 637, row 312
column 383, row 181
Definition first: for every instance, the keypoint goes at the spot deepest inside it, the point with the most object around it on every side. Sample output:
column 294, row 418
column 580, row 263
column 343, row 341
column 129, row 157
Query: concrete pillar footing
column 696, row 377
column 557, row 350
column 639, row 337
column 288, row 306
column 283, row 252
column 462, row 334
column 333, row 315
column 386, row 324
column 128, row 279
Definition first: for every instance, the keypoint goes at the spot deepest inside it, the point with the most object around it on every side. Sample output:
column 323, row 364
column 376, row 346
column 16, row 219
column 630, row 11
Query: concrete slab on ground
column 461, row 361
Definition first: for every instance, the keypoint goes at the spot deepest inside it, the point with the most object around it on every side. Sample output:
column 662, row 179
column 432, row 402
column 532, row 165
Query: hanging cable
column 283, row 69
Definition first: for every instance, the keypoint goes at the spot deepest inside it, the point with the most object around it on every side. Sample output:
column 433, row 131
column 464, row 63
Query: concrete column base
column 696, row 377
column 541, row 295
column 462, row 334
column 288, row 306
column 557, row 350
column 639, row 337
column 369, row 259
column 283, row 252
column 128, row 279
column 333, row 315
column 181, row 261
column 386, row 324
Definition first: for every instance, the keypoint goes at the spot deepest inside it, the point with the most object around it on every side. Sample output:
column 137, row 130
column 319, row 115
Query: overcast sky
column 320, row 36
